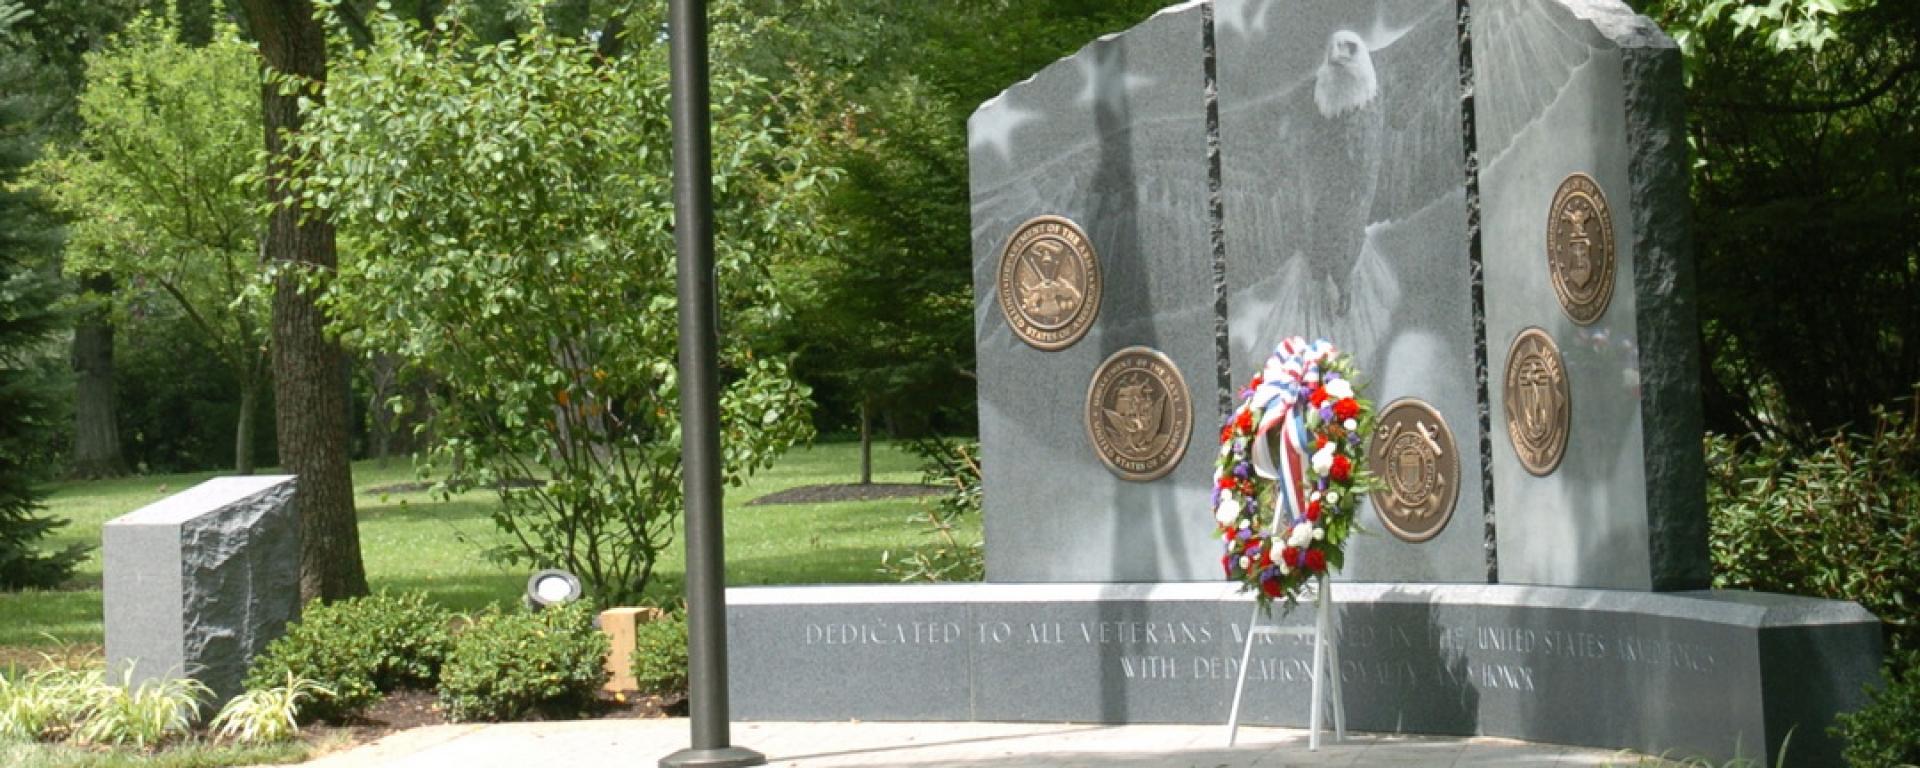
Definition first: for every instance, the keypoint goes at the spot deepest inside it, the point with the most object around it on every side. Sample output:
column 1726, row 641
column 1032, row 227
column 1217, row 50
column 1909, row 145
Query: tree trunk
column 310, row 403
column 96, row 424
column 243, row 428
column 382, row 374
column 866, row 444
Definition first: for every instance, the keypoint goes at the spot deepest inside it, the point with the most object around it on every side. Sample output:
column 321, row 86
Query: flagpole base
column 724, row 757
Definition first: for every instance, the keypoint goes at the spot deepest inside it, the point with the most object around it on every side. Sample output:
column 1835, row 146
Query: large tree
column 309, row 384
column 152, row 189
column 512, row 212
column 59, row 35
column 26, row 321
column 1806, row 207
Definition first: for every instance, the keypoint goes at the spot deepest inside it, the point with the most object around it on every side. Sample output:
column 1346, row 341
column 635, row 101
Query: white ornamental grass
column 269, row 715
column 145, row 715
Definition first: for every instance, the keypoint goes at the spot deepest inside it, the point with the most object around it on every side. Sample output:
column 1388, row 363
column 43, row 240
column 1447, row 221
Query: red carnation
column 1226, row 481
column 1271, row 587
column 1266, row 556
column 1313, row 512
column 1342, row 469
column 1290, row 556
column 1226, row 433
column 1346, row 409
column 1316, row 562
column 1318, row 397
column 1244, row 421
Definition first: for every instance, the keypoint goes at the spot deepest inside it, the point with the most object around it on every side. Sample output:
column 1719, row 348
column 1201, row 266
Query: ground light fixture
column 552, row 587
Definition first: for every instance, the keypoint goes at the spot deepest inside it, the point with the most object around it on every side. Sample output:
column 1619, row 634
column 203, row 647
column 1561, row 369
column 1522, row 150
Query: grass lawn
column 413, row 542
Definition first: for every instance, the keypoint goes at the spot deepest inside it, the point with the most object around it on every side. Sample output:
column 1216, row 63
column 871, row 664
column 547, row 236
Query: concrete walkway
column 641, row 743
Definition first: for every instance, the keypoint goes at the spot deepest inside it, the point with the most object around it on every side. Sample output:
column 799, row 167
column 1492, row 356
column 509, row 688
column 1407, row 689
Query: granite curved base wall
column 1711, row 674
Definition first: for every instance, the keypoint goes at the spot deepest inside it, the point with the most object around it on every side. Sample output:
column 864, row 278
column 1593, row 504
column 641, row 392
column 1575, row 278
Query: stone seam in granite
column 1471, row 148
column 1216, row 213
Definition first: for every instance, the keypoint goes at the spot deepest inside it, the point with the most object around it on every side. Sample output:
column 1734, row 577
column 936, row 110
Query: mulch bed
column 819, row 494
column 379, row 490
column 405, row 709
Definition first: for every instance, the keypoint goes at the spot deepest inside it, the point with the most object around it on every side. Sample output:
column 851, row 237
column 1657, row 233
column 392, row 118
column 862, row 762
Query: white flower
column 1300, row 535
column 1319, row 534
column 1350, row 424
column 1284, row 568
column 1228, row 511
column 1323, row 460
column 1315, row 496
column 1333, row 497
column 1245, row 524
column 1340, row 390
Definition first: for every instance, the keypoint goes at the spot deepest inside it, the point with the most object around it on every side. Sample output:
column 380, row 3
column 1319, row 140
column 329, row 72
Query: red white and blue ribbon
column 1290, row 374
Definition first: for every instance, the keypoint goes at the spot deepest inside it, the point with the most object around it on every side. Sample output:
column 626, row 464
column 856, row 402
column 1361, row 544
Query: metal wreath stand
column 1325, row 632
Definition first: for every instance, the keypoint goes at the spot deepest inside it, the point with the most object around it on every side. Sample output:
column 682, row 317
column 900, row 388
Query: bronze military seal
column 1139, row 414
column 1412, row 452
column 1580, row 252
column 1538, row 404
column 1049, row 283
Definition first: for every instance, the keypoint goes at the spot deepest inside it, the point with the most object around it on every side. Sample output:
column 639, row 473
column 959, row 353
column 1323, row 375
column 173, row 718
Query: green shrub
column 509, row 663
column 955, row 465
column 1835, row 520
column 1886, row 732
column 660, row 655
column 355, row 650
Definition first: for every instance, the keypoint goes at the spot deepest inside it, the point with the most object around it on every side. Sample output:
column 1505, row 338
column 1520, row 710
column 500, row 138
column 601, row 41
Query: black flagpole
column 699, row 397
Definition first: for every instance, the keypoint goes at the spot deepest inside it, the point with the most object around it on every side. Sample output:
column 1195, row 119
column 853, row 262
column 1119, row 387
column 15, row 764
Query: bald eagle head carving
column 1345, row 81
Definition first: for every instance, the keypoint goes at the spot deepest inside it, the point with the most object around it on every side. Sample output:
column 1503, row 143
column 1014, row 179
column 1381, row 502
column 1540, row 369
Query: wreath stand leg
column 1326, row 652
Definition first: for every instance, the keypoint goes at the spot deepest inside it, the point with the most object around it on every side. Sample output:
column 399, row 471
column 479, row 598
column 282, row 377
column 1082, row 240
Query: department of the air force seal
column 1049, row 283
column 1539, row 407
column 1580, row 254
column 1412, row 452
column 1139, row 414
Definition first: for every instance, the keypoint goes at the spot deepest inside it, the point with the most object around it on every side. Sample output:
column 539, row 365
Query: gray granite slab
column 198, row 583
column 1114, row 138
column 1566, row 86
column 1683, row 674
column 1345, row 217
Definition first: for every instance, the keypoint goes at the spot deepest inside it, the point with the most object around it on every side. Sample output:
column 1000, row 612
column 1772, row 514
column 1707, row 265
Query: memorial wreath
column 1293, row 446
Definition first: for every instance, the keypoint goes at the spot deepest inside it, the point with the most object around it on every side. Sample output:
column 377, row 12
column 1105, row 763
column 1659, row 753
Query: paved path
column 640, row 743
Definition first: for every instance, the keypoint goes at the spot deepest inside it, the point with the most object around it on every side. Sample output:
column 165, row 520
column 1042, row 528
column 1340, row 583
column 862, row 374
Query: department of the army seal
column 1139, row 414
column 1412, row 452
column 1049, row 283
column 1539, row 406
column 1580, row 254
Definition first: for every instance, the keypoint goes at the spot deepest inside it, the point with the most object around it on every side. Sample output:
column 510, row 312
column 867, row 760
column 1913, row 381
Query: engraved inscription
column 1139, row 414
column 1580, row 251
column 1049, row 283
column 1538, row 403
column 1412, row 451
